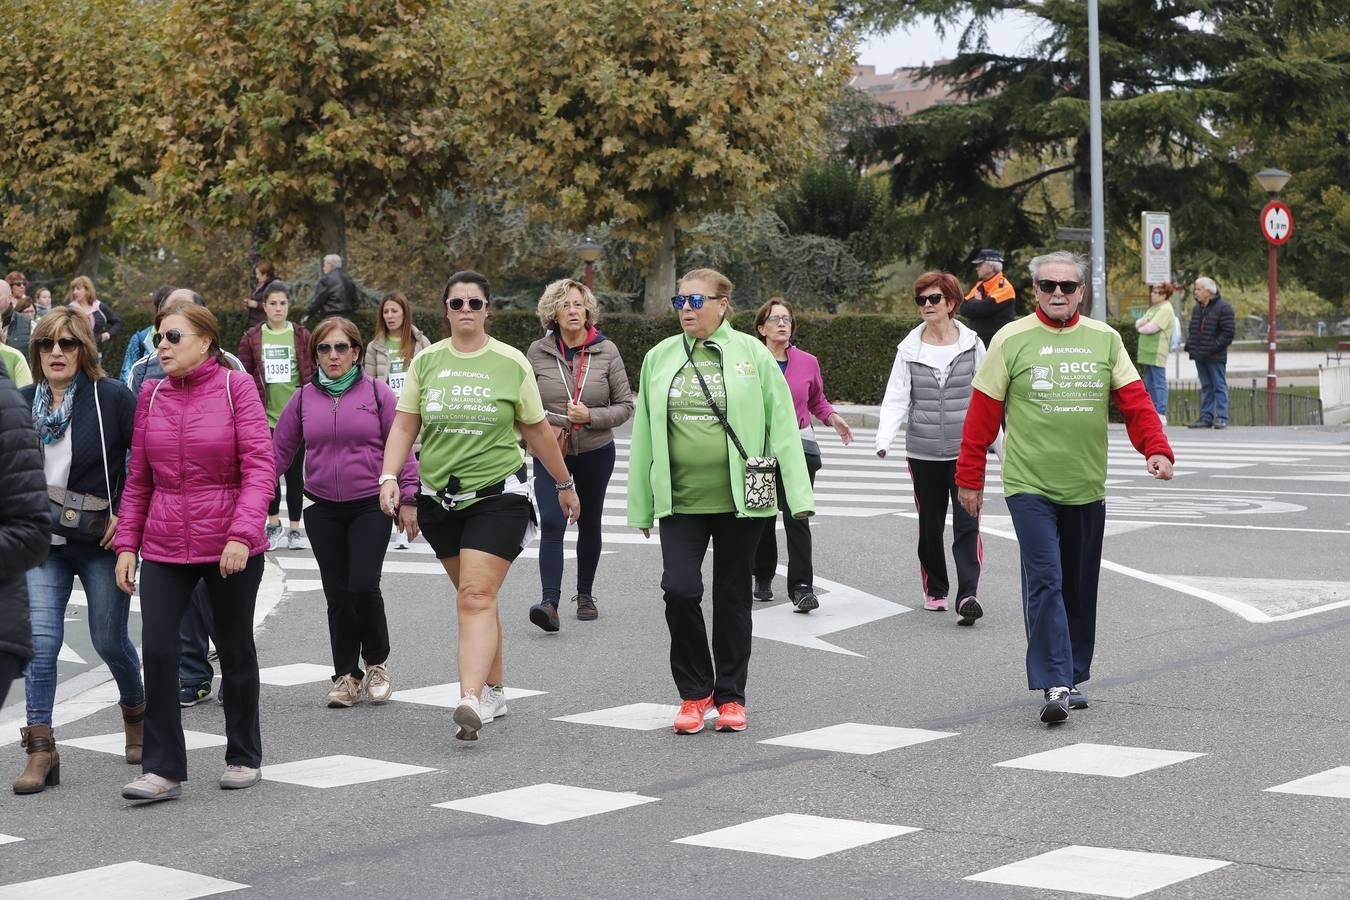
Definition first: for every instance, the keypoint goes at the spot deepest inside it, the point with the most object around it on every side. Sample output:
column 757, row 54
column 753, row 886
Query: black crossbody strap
column 707, row 394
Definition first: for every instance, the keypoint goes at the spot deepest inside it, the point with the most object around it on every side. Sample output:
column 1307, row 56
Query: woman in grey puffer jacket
column 929, row 389
column 585, row 391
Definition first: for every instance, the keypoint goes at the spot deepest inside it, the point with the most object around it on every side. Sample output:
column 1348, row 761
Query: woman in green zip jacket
column 685, row 470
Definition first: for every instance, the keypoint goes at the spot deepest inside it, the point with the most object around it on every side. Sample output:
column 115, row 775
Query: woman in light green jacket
column 686, row 471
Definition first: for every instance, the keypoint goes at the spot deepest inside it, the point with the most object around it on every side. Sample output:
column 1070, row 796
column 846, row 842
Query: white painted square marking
column 339, row 771
column 1100, row 870
column 853, row 737
column 634, row 716
column 122, row 881
column 303, row 585
column 547, row 804
column 796, row 836
column 1331, row 783
column 9, row 839
column 116, row 743
column 295, row 673
column 1099, row 759
column 448, row 695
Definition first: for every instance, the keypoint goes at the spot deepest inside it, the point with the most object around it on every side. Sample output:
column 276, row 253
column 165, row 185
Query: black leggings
column 800, row 574
column 166, row 591
column 591, row 471
column 295, row 486
column 349, row 540
column 934, row 485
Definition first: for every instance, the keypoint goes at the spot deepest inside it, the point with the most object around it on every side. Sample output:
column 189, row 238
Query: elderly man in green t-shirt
column 1054, row 375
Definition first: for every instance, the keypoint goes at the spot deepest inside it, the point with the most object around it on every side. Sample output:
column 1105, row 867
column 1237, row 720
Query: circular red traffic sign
column 1277, row 222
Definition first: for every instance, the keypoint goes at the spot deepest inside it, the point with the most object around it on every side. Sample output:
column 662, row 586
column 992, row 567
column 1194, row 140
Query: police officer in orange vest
column 989, row 305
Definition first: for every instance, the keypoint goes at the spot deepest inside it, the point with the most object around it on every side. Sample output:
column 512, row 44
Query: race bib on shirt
column 397, row 376
column 276, row 364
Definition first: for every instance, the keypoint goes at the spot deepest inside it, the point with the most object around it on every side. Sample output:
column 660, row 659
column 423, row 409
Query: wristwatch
column 388, row 477
column 568, row 485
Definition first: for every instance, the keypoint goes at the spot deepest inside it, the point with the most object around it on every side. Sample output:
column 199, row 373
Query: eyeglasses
column 340, row 348
column 778, row 320
column 19, row 284
column 457, row 303
column 1159, row 291
column 1046, row 286
column 173, row 336
column 695, row 301
column 67, row 344
column 925, row 299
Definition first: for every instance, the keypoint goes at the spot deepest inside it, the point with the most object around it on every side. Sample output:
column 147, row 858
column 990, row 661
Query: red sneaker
column 689, row 720
column 731, row 717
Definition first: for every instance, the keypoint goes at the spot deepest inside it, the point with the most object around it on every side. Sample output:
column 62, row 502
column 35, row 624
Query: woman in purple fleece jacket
column 344, row 417
column 775, row 325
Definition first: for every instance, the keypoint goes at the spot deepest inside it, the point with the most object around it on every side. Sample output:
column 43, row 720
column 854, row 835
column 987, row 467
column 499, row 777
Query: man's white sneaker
column 468, row 716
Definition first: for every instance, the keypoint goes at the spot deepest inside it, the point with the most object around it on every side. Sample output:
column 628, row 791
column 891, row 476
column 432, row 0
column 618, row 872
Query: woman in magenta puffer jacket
column 194, row 507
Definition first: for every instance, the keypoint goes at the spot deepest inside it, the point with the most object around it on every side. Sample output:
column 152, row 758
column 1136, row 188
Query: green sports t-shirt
column 1055, row 384
column 16, row 366
column 469, row 404
column 281, row 370
column 1155, row 348
column 700, row 474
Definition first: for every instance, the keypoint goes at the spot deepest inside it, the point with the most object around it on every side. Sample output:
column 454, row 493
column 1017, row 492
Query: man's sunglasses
column 925, row 299
column 457, row 303
column 340, row 347
column 67, row 344
column 173, row 336
column 695, row 301
column 1046, row 286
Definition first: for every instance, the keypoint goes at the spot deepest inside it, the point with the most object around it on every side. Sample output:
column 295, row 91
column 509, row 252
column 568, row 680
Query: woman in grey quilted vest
column 929, row 391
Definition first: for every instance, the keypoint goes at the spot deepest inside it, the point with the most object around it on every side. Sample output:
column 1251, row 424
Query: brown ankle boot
column 44, row 763
column 133, row 723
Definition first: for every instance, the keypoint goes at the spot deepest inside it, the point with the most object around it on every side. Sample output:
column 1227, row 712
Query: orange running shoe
column 689, row 720
column 731, row 717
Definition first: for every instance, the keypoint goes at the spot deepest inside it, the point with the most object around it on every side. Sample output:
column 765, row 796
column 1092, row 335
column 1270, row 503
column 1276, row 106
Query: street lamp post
column 589, row 251
column 1276, row 225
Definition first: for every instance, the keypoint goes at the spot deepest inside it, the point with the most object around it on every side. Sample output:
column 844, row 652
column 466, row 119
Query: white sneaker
column 276, row 535
column 400, row 540
column 377, row 684
column 468, row 716
column 345, row 692
column 296, row 540
column 492, row 704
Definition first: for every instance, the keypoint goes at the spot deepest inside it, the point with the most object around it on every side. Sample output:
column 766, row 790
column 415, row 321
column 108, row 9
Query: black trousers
column 798, row 531
column 684, row 542
column 934, row 484
column 591, row 471
column 166, row 591
column 294, row 477
column 349, row 539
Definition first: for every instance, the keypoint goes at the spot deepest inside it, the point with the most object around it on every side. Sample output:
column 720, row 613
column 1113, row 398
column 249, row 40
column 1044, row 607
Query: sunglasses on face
column 1046, row 286
column 925, row 299
column 19, row 284
column 778, row 320
column 694, row 301
column 340, row 348
column 173, row 336
column 457, row 303
column 67, row 344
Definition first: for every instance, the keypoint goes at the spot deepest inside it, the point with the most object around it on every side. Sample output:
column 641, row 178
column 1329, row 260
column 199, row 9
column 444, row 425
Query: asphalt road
column 1223, row 635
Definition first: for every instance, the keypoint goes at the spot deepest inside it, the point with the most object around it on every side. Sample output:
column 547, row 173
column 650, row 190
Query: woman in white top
column 929, row 390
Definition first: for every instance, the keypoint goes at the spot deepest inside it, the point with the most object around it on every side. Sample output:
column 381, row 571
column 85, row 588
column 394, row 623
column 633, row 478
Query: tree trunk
column 332, row 228
column 660, row 280
column 92, row 219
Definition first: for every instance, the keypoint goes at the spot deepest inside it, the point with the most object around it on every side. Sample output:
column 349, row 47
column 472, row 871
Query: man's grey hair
column 998, row 266
column 332, row 261
column 1059, row 256
column 1207, row 283
column 180, row 295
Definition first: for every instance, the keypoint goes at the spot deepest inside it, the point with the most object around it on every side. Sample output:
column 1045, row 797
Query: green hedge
column 855, row 351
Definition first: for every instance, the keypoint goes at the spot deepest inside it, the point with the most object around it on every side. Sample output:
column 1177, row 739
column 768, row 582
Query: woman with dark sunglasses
column 341, row 420
column 473, row 398
column 687, row 470
column 929, row 391
column 84, row 420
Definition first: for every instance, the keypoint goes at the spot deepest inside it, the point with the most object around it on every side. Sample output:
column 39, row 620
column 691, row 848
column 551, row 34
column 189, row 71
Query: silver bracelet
column 568, row 485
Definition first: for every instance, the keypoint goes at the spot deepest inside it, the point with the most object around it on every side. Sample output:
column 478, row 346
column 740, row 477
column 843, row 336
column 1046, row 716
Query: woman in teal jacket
column 685, row 470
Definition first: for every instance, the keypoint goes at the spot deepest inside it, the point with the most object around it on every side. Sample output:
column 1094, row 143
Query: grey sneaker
column 346, row 692
column 296, row 540
column 803, row 598
column 377, row 685
column 236, row 778
column 275, row 535
column 1056, row 708
column 492, row 703
column 1076, row 699
column 469, row 718
column 153, row 788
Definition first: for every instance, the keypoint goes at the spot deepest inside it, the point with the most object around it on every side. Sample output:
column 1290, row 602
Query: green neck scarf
column 337, row 386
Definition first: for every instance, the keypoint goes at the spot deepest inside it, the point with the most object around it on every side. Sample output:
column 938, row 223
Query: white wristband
column 387, row 477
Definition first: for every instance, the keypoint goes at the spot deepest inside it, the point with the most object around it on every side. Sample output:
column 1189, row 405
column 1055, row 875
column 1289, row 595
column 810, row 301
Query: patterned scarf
column 336, row 387
column 51, row 424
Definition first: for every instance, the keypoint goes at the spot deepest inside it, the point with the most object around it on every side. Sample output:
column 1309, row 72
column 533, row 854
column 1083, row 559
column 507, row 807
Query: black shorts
column 495, row 525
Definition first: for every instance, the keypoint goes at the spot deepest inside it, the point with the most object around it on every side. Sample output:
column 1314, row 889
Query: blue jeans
column 49, row 587
column 1213, row 390
column 1155, row 382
